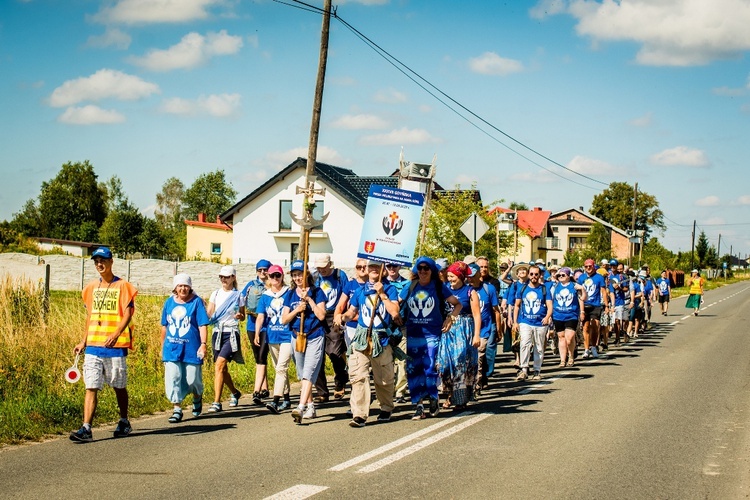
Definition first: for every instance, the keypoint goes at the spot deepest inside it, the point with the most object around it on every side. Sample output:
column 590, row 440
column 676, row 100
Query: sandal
column 197, row 407
column 446, row 405
column 215, row 407
column 176, row 416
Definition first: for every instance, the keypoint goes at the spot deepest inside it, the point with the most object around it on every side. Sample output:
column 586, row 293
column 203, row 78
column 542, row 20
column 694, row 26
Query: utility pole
column 632, row 225
column 718, row 253
column 692, row 247
column 312, row 151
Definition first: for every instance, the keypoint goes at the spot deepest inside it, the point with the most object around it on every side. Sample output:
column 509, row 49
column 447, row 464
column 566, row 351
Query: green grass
column 35, row 351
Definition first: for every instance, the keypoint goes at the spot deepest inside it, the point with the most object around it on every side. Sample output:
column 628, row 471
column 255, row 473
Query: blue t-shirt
column 662, row 284
column 364, row 299
column 271, row 305
column 463, row 295
column 351, row 287
column 533, row 303
column 332, row 287
column 422, row 305
column 593, row 285
column 638, row 288
column 183, row 339
column 313, row 326
column 565, row 306
column 648, row 287
column 488, row 301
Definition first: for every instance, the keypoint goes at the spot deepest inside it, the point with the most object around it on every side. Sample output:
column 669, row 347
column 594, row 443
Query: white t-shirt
column 218, row 297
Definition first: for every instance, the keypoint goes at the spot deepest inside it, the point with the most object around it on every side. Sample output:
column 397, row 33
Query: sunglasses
column 423, row 268
column 391, row 266
column 533, row 274
column 275, row 275
column 361, row 268
column 262, row 270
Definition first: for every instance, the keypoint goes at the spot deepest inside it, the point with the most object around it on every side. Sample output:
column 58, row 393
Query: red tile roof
column 532, row 222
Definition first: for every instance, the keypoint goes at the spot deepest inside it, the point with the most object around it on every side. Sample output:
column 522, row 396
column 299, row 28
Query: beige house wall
column 200, row 240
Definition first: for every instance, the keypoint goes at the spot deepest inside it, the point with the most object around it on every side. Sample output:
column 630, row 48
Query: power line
column 396, row 63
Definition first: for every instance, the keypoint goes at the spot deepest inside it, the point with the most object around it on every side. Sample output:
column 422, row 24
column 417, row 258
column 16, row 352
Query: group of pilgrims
column 430, row 335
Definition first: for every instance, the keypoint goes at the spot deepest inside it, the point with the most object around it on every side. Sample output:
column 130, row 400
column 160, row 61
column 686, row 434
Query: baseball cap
column 227, row 271
column 181, row 279
column 276, row 269
column 263, row 264
column 297, row 265
column 604, row 262
column 441, row 263
column 102, row 252
column 473, row 269
column 323, row 260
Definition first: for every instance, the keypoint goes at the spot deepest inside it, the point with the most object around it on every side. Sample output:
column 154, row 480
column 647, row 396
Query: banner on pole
column 389, row 232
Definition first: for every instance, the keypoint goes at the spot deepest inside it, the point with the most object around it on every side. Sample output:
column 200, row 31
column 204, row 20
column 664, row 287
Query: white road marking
column 685, row 317
column 674, row 322
column 422, row 444
column 387, row 447
column 297, row 492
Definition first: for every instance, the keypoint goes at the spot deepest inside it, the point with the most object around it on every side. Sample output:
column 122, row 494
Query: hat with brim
column 227, row 271
column 181, row 279
column 514, row 270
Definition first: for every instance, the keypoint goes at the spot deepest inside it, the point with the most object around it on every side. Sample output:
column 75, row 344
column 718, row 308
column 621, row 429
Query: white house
column 263, row 228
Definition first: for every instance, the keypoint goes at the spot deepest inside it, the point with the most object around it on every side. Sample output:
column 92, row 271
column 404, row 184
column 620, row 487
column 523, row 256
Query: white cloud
column 104, row 84
column 359, row 122
column 670, row 32
column 112, row 37
column 217, row 105
column 682, row 156
column 154, row 11
column 744, row 200
column 399, row 137
column 539, row 176
column 193, row 50
column 590, row 166
column 708, row 201
column 728, row 91
column 280, row 159
column 90, row 115
column 390, row 96
column 490, row 63
column 642, row 121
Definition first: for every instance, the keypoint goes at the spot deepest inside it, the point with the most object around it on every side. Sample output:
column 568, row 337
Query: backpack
column 253, row 291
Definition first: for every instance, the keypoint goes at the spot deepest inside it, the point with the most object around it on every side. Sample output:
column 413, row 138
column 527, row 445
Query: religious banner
column 389, row 232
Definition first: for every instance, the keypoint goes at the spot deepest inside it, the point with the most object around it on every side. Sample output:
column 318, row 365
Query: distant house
column 208, row 240
column 77, row 248
column 573, row 226
column 263, row 226
column 532, row 233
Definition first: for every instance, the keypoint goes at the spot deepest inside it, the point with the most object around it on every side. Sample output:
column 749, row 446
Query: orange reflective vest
column 107, row 305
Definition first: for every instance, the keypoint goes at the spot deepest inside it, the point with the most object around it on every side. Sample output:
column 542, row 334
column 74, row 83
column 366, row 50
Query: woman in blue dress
column 567, row 308
column 458, row 357
column 424, row 300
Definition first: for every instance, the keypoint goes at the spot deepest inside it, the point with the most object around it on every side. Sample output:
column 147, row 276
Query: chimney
column 201, row 217
column 581, row 209
column 537, row 209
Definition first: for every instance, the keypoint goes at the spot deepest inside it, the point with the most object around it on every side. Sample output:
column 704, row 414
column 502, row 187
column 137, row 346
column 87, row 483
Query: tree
column 67, row 206
column 447, row 211
column 599, row 242
column 615, row 205
column 210, row 194
column 515, row 205
column 115, row 195
column 168, row 213
column 152, row 240
column 701, row 249
column 122, row 229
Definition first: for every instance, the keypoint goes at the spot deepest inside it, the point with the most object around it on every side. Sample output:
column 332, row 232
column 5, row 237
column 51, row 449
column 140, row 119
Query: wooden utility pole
column 312, row 150
column 692, row 247
column 631, row 253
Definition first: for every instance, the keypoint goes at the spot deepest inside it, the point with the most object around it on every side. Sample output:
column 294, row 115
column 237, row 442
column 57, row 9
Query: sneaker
column 536, row 376
column 384, row 416
column 360, row 422
column 310, row 412
column 434, row 407
column 257, row 399
column 605, row 348
column 234, row 399
column 274, row 407
column 297, row 415
column 215, row 408
column 419, row 413
column 197, row 407
column 586, row 354
column 123, row 428
column 82, row 435
column 522, row 375
column 400, row 400
column 264, row 393
column 285, row 405
column 594, row 353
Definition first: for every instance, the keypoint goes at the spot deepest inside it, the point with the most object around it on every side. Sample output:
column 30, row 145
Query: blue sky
column 649, row 91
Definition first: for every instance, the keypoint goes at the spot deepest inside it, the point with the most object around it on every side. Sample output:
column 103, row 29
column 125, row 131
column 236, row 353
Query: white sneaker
column 594, row 353
column 310, row 412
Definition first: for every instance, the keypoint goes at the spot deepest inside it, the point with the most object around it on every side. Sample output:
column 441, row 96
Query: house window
column 285, row 220
column 215, row 248
column 554, row 262
column 317, row 213
column 293, row 252
column 555, row 229
column 576, row 243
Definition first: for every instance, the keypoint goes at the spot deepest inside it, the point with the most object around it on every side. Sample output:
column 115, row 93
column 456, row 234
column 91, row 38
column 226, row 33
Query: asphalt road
column 666, row 416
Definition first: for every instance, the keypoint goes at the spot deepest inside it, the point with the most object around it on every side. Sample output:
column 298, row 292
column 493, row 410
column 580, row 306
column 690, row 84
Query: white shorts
column 620, row 313
column 99, row 371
